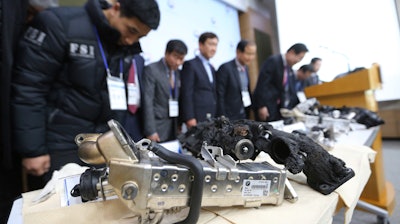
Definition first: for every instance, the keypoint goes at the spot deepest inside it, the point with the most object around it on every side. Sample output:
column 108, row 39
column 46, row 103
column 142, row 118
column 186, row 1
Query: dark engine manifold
column 245, row 139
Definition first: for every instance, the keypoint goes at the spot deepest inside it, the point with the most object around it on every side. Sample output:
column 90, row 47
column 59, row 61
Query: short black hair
column 241, row 46
column 306, row 68
column 207, row 35
column 146, row 11
column 313, row 60
column 177, row 46
column 298, row 48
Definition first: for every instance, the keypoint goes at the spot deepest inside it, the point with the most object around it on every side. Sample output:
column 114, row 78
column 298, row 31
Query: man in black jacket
column 12, row 20
column 272, row 90
column 70, row 77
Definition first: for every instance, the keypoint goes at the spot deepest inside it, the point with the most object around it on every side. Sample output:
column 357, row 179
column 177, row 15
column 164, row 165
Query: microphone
column 338, row 53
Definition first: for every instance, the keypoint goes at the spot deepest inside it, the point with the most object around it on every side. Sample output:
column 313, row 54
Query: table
column 312, row 207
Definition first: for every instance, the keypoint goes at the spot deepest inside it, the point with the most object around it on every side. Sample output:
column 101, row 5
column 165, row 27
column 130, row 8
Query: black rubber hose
column 195, row 166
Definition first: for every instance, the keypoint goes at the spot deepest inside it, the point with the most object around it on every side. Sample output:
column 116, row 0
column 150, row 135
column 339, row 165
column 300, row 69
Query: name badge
column 173, row 108
column 301, row 96
column 133, row 94
column 246, row 98
column 116, row 93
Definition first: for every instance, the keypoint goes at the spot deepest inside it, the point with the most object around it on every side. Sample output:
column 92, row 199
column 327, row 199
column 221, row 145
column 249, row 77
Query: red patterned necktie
column 171, row 79
column 285, row 75
column 131, row 80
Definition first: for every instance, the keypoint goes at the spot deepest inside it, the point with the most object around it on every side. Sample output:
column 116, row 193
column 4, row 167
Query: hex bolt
column 129, row 190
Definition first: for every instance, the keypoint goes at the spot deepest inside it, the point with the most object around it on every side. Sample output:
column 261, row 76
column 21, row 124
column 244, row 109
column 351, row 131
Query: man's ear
column 116, row 9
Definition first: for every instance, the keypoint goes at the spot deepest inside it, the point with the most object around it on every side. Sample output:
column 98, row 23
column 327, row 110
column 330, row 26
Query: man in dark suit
column 272, row 88
column 161, row 82
column 233, row 96
column 134, row 118
column 198, row 89
column 297, row 83
column 301, row 77
column 314, row 78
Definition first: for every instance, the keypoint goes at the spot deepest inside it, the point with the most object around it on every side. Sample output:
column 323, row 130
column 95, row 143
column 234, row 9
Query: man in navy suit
column 134, row 119
column 272, row 90
column 198, row 99
column 297, row 83
column 301, row 77
column 314, row 78
column 233, row 83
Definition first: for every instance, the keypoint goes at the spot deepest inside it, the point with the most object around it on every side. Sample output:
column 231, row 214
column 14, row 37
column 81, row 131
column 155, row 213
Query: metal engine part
column 149, row 184
column 295, row 150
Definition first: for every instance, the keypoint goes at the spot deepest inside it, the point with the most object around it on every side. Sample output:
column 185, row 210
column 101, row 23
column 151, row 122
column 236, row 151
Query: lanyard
column 104, row 57
column 173, row 92
column 132, row 71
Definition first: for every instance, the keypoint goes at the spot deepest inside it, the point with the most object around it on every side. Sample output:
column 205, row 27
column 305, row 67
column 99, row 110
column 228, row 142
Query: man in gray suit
column 161, row 81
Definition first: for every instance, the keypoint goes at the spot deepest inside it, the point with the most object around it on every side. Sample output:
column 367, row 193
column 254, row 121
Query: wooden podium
column 357, row 90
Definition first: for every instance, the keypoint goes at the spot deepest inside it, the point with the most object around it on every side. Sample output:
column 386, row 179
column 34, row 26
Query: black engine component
column 245, row 139
column 364, row 116
column 87, row 184
column 360, row 115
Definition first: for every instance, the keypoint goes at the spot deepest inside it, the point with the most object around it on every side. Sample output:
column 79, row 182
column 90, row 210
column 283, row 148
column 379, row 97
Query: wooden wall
column 260, row 28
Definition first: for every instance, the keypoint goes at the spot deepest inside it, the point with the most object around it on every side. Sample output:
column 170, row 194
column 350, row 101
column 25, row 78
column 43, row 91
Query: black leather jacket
column 59, row 82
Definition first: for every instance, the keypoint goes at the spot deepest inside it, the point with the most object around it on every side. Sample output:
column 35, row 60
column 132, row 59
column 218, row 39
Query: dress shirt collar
column 239, row 66
column 203, row 59
column 165, row 65
column 284, row 60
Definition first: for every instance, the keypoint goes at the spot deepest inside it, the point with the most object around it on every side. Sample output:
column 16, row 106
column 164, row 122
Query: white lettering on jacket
column 81, row 50
column 35, row 36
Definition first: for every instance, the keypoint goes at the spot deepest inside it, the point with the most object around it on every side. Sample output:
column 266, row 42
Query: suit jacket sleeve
column 268, row 87
column 149, row 85
column 222, row 84
column 187, row 91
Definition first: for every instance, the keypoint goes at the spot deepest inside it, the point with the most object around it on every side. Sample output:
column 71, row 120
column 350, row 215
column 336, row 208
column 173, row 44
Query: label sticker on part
column 256, row 188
